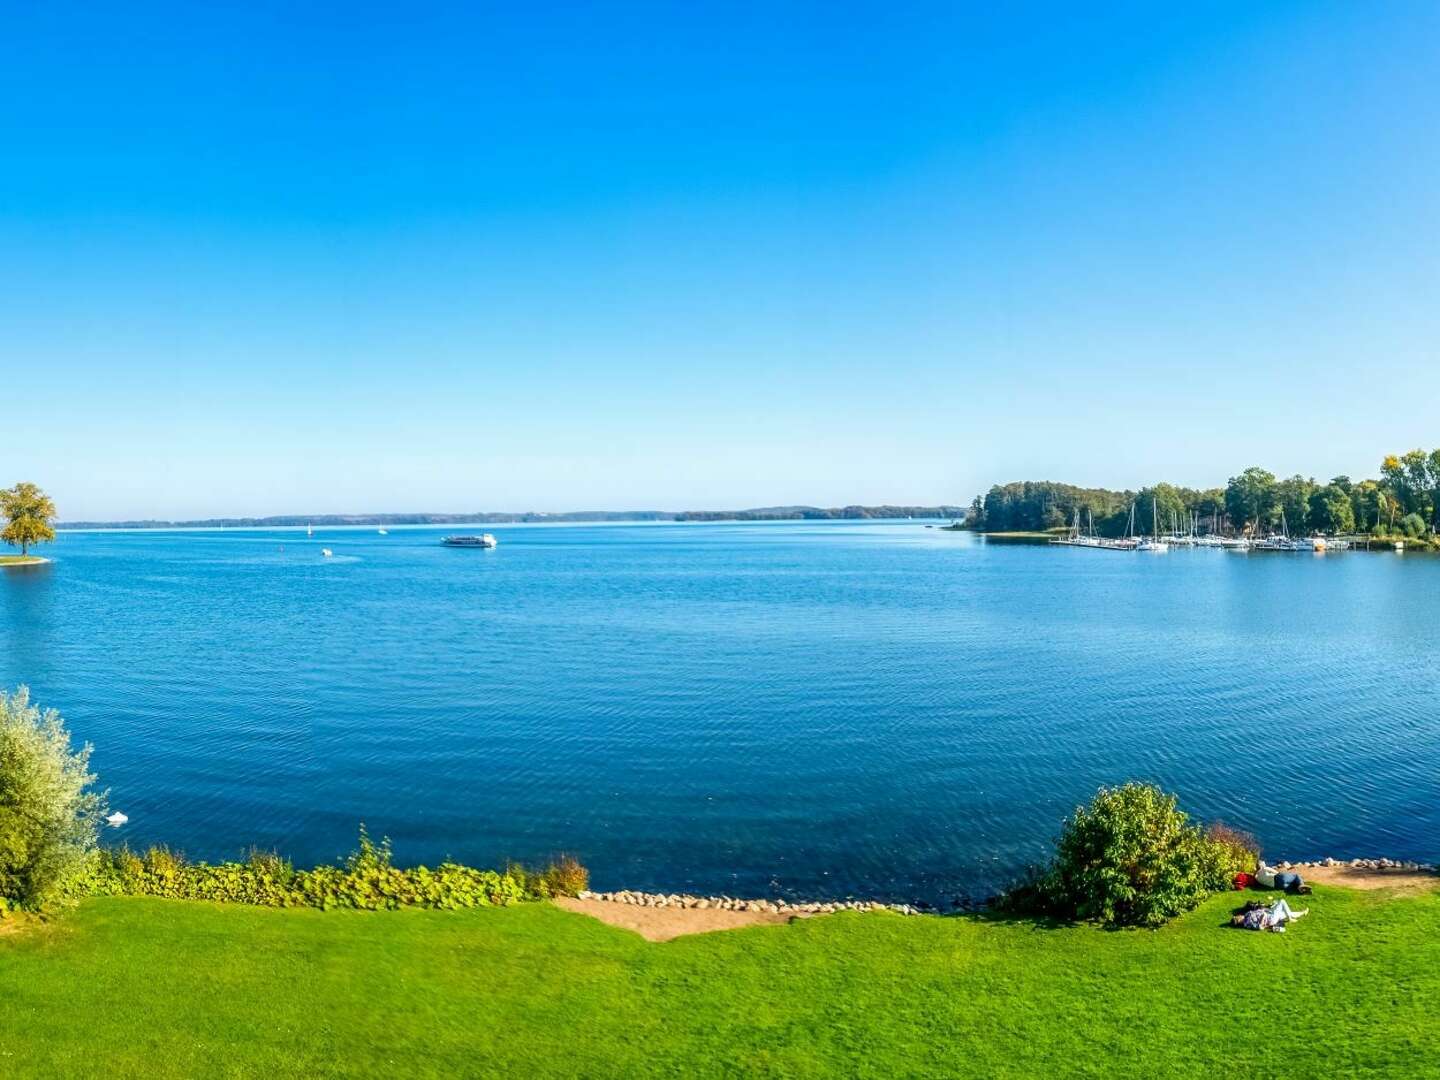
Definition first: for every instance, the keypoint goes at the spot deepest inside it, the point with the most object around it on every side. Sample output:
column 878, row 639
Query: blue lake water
column 804, row 709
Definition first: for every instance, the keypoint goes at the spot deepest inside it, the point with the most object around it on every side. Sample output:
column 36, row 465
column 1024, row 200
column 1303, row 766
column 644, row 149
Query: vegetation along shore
column 1402, row 503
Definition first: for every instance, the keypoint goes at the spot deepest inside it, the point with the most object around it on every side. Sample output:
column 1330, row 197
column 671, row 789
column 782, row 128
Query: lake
column 804, row 709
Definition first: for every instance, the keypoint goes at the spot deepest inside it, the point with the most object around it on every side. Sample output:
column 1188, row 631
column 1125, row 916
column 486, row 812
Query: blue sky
column 430, row 257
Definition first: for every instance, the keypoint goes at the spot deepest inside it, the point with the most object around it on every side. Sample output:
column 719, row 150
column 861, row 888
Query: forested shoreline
column 1404, row 501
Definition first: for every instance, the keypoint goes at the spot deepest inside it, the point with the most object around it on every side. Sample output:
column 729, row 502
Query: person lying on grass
column 1257, row 916
column 1267, row 877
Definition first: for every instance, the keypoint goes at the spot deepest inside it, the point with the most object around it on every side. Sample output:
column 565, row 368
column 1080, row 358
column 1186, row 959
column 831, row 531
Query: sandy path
column 1360, row 877
column 662, row 924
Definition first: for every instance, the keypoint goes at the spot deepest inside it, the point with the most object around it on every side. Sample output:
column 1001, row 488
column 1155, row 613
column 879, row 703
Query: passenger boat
column 485, row 540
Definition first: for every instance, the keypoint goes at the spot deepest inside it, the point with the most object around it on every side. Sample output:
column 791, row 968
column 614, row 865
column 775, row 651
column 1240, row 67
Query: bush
column 1236, row 849
column 563, row 877
column 368, row 880
column 49, row 820
column 1132, row 858
column 1413, row 525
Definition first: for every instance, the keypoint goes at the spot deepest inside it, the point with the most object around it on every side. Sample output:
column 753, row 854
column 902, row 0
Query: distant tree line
column 1403, row 501
column 766, row 513
column 815, row 513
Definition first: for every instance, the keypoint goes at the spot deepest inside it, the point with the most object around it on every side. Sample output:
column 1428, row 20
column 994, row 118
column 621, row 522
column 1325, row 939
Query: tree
column 1331, row 510
column 30, row 512
column 1367, row 502
column 1293, row 497
column 1250, row 498
column 1398, row 474
column 1433, row 468
column 1417, row 479
column 49, row 820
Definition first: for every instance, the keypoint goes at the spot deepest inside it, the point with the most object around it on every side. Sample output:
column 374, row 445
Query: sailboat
column 309, row 530
column 1281, row 542
column 1153, row 543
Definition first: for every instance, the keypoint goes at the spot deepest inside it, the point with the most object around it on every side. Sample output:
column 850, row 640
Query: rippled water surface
column 829, row 708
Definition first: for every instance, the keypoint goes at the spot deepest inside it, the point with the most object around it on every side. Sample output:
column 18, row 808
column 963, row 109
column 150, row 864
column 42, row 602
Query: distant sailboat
column 383, row 532
column 1154, row 544
column 309, row 530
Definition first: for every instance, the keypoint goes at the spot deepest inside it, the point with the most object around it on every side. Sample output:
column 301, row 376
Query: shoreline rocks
column 731, row 903
column 826, row 907
column 1362, row 864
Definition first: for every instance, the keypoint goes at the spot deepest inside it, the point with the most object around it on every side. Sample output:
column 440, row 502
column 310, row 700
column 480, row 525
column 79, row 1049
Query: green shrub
column 1132, row 858
column 564, row 876
column 1412, row 524
column 1234, row 849
column 368, row 880
column 49, row 820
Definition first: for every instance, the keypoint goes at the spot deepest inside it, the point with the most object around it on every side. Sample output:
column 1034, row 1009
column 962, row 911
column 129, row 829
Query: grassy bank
column 1021, row 535
column 21, row 560
column 130, row 987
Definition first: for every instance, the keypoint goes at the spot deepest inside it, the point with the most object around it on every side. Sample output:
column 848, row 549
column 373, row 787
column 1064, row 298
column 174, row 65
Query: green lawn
column 139, row 987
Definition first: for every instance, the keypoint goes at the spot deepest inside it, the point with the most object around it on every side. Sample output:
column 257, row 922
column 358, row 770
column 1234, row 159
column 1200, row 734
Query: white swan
column 117, row 818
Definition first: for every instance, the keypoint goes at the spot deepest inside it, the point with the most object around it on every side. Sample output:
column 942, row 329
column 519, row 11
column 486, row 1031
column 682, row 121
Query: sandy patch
column 1363, row 877
column 662, row 924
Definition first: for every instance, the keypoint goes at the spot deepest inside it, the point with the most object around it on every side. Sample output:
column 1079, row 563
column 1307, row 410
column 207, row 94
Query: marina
column 1084, row 536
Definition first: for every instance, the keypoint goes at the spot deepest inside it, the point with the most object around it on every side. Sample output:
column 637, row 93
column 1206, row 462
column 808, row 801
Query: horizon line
column 797, row 511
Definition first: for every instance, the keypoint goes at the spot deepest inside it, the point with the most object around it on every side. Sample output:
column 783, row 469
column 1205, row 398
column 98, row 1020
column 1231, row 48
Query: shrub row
column 367, row 880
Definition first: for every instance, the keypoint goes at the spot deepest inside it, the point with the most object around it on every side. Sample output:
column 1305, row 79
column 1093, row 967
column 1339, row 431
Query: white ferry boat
column 484, row 540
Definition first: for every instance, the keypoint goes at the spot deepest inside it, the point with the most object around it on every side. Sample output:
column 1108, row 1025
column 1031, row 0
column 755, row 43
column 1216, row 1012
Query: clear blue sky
column 259, row 259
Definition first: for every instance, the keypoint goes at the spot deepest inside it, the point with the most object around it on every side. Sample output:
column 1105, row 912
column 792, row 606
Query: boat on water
column 1086, row 537
column 1282, row 542
column 484, row 540
column 383, row 532
column 1154, row 543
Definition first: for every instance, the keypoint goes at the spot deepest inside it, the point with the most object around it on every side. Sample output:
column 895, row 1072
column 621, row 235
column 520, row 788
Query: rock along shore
column 826, row 907
column 1361, row 864
column 730, row 903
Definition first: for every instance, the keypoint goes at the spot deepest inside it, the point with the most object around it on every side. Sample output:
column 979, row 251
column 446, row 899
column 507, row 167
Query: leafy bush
column 368, row 880
column 1237, row 849
column 49, row 820
column 1412, row 524
column 1132, row 858
column 563, row 877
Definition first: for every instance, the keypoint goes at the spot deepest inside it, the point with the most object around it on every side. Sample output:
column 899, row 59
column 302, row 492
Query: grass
column 1021, row 534
column 20, row 560
column 132, row 987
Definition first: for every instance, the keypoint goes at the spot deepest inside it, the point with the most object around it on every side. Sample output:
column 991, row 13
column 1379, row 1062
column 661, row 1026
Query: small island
column 27, row 512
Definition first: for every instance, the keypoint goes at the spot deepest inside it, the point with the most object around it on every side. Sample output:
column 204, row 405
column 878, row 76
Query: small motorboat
column 485, row 540
column 326, row 552
column 117, row 819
